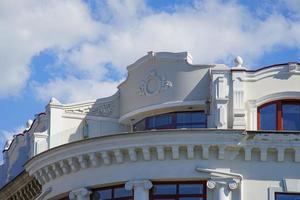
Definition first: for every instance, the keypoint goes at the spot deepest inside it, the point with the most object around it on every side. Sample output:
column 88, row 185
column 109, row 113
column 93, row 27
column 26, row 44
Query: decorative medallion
column 154, row 84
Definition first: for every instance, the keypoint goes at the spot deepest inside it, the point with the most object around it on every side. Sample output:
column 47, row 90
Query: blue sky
column 78, row 50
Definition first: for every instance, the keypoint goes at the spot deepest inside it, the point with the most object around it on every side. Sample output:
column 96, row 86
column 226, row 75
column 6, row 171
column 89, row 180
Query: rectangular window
column 112, row 193
column 190, row 190
column 287, row 196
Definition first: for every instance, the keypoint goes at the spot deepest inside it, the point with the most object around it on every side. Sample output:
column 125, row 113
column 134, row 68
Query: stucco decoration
column 293, row 68
column 105, row 110
column 153, row 84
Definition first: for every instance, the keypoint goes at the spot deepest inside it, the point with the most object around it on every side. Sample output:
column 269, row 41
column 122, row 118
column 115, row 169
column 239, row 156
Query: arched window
column 279, row 115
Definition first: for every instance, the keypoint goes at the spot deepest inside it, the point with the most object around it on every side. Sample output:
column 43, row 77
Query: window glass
column 151, row 123
column 198, row 117
column 291, row 116
column 184, row 117
column 179, row 191
column 268, row 117
column 122, row 192
column 163, row 120
column 287, row 196
column 172, row 121
column 112, row 193
column 164, row 189
column 190, row 189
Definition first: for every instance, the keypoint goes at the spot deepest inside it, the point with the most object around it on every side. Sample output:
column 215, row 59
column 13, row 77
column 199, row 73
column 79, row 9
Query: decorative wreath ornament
column 154, row 84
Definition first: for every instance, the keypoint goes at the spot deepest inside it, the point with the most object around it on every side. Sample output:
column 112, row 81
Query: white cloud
column 29, row 27
column 72, row 89
column 212, row 31
column 6, row 135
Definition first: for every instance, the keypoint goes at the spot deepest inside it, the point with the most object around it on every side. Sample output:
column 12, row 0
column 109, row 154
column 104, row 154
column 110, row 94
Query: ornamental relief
column 153, row 84
column 98, row 110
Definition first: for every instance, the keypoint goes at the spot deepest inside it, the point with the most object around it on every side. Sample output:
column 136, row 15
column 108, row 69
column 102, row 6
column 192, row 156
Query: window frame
column 279, row 115
column 173, row 124
column 177, row 196
column 113, row 187
column 285, row 193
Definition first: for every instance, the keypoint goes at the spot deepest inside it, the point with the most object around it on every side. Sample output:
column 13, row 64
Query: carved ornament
column 153, row 84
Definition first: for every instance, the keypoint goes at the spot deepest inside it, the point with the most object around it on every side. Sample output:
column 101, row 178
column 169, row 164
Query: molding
column 273, row 97
column 23, row 185
column 275, row 70
column 118, row 149
column 88, row 117
column 169, row 104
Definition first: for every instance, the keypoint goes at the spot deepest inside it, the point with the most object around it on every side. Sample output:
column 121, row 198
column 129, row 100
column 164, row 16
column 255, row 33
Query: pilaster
column 80, row 194
column 222, row 188
column 220, row 91
column 238, row 94
column 141, row 188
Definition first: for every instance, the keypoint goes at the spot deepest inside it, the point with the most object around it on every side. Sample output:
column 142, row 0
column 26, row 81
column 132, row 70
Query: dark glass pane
column 198, row 117
column 191, row 120
column 190, row 189
column 164, row 189
column 163, row 120
column 184, row 117
column 140, row 126
column 191, row 198
column 287, row 196
column 268, row 117
column 122, row 192
column 151, row 122
column 102, row 195
column 291, row 116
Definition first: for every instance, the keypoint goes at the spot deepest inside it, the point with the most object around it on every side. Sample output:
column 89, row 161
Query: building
column 174, row 130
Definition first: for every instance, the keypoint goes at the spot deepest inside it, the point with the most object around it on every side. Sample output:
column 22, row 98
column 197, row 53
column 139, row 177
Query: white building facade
column 174, row 130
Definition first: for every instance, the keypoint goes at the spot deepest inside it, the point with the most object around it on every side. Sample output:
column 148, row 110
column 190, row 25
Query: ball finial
column 29, row 123
column 238, row 61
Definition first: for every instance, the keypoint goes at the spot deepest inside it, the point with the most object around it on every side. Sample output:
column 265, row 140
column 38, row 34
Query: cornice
column 23, row 186
column 160, row 146
column 278, row 70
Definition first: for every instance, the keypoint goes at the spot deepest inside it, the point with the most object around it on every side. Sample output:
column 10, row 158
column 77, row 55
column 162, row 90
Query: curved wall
column 162, row 79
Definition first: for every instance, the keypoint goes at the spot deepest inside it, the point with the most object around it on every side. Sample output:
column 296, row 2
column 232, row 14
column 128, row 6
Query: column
column 141, row 188
column 80, row 194
column 222, row 189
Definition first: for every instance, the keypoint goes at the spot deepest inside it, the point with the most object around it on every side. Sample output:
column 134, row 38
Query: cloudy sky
column 79, row 49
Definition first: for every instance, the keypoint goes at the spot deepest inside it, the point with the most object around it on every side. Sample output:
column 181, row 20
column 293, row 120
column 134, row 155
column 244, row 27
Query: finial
column 238, row 61
column 28, row 124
